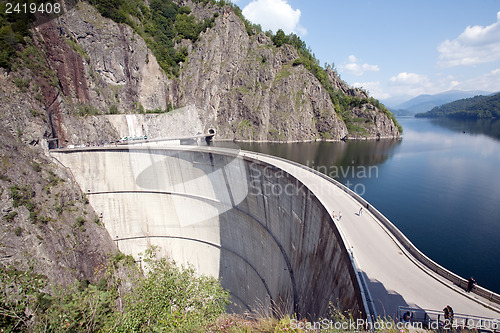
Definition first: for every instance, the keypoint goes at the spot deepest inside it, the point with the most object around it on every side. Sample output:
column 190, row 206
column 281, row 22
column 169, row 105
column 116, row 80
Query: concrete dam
column 258, row 228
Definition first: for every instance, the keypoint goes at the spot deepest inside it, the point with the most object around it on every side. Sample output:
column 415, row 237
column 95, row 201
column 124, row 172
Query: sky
column 395, row 49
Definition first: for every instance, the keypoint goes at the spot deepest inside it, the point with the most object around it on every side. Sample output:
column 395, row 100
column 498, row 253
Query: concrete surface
column 259, row 229
column 177, row 123
column 392, row 278
column 262, row 224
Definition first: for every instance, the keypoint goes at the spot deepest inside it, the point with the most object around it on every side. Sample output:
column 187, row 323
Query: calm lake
column 440, row 186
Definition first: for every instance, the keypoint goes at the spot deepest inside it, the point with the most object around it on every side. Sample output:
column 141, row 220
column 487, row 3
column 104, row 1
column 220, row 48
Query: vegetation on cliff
column 160, row 297
column 474, row 107
column 153, row 295
column 164, row 24
column 14, row 28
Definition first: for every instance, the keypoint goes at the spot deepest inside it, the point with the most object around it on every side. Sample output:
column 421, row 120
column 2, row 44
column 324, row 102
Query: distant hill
column 423, row 103
column 475, row 107
column 401, row 113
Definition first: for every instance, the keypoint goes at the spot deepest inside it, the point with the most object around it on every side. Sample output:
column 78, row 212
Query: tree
column 280, row 38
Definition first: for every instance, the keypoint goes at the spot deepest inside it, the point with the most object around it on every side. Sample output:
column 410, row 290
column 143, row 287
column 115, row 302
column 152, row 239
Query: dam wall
column 417, row 256
column 251, row 224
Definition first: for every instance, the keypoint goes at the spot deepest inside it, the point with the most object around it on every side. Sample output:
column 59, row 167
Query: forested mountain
column 474, row 107
column 424, row 103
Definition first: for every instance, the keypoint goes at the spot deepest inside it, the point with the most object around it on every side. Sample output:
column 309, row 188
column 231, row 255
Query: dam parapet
column 251, row 224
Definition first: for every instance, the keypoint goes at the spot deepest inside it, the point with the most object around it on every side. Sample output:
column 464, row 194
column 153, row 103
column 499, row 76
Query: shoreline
column 370, row 138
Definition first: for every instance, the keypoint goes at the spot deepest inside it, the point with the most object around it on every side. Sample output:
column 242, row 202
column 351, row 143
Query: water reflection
column 489, row 127
column 438, row 185
column 342, row 154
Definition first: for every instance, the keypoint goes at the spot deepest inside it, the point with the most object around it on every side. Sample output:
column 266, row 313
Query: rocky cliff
column 46, row 221
column 244, row 86
column 73, row 69
column 251, row 90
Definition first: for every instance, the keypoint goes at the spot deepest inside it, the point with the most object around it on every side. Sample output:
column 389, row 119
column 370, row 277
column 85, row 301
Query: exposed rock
column 118, row 68
column 243, row 86
column 251, row 91
column 81, row 65
column 46, row 221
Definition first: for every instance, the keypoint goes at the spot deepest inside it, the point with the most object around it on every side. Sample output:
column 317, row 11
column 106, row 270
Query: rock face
column 80, row 66
column 243, row 86
column 250, row 90
column 45, row 219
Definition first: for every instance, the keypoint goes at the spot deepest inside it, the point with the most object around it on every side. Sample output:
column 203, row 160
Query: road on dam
column 393, row 279
column 391, row 275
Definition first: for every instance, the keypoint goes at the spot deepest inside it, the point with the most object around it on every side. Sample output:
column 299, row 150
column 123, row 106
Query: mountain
column 58, row 79
column 423, row 103
column 401, row 113
column 474, row 107
column 246, row 84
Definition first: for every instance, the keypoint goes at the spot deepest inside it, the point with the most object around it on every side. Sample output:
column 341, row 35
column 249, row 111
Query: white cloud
column 355, row 67
column 475, row 45
column 374, row 89
column 408, row 79
column 413, row 84
column 487, row 82
column 274, row 15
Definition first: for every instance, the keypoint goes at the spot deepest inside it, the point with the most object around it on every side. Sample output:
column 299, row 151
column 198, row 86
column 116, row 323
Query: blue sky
column 396, row 49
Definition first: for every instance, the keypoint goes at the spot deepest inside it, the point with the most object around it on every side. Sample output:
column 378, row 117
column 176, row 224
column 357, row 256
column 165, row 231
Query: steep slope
column 252, row 90
column 45, row 220
column 244, row 86
column 68, row 71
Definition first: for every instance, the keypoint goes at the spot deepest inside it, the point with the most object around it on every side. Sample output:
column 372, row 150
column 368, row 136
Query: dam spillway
column 256, row 227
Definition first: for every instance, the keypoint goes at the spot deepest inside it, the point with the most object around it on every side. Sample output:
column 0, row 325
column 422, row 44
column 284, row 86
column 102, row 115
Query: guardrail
column 434, row 320
column 418, row 255
column 370, row 312
column 403, row 240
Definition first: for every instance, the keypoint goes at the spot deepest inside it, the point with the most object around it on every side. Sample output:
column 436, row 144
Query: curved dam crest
column 255, row 226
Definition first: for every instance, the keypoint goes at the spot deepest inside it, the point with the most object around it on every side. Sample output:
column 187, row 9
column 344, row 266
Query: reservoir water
column 440, row 185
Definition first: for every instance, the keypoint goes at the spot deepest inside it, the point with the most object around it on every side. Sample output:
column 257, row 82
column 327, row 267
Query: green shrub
column 172, row 299
column 128, row 260
column 166, row 299
column 81, row 307
column 21, row 196
column 22, row 84
column 113, row 109
column 86, row 110
column 36, row 166
column 80, row 221
column 19, row 292
column 10, row 217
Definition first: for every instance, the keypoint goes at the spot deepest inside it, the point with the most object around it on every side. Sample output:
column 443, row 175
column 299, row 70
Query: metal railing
column 434, row 320
column 368, row 304
column 411, row 249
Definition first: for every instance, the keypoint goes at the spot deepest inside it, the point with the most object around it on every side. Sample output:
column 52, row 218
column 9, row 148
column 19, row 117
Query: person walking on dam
column 470, row 284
